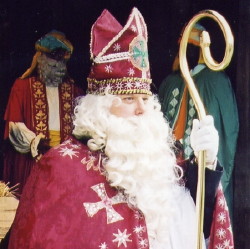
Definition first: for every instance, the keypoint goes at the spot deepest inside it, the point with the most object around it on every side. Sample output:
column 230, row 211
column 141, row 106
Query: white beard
column 142, row 163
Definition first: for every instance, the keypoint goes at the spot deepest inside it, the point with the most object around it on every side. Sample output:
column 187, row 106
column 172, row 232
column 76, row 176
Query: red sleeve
column 15, row 107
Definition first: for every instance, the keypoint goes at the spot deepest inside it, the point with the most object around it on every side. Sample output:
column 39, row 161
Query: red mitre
column 119, row 55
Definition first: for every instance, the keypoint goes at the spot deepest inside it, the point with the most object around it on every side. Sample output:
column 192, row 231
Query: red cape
column 67, row 203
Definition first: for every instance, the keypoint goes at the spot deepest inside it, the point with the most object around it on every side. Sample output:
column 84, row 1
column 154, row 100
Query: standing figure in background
column 40, row 106
column 219, row 100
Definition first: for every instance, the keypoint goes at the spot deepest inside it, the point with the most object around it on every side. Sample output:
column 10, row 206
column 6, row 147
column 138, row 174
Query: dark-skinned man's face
column 51, row 70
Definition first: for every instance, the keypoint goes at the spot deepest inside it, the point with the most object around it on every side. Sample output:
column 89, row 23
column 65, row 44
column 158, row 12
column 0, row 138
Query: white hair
column 91, row 118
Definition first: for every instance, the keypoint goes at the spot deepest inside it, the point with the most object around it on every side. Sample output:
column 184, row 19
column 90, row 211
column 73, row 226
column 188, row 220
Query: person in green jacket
column 219, row 100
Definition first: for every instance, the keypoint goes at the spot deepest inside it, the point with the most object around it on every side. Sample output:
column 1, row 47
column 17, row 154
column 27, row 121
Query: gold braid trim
column 120, row 80
column 122, row 92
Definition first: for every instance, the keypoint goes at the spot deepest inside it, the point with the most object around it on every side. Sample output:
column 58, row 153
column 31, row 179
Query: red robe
column 28, row 104
column 221, row 235
column 67, row 203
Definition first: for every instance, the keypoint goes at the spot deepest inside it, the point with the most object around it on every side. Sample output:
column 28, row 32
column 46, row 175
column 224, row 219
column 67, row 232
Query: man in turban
column 216, row 92
column 40, row 106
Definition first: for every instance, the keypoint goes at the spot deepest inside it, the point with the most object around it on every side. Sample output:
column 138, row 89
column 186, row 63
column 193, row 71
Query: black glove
column 43, row 146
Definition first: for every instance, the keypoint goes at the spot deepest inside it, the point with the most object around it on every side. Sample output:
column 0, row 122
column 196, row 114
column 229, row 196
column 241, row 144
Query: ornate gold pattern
column 119, row 80
column 40, row 108
column 66, row 93
column 125, row 85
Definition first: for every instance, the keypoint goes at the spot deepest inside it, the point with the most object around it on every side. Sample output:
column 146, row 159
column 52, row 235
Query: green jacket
column 219, row 100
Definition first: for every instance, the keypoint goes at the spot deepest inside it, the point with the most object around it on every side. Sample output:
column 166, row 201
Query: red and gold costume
column 71, row 205
column 28, row 104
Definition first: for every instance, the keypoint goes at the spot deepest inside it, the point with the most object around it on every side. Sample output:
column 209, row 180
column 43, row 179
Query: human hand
column 39, row 145
column 43, row 146
column 204, row 137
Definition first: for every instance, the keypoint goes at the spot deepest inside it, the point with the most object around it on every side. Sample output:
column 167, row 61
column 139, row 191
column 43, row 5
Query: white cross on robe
column 106, row 202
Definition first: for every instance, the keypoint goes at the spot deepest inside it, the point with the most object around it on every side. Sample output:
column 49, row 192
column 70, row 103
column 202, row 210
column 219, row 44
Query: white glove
column 204, row 137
